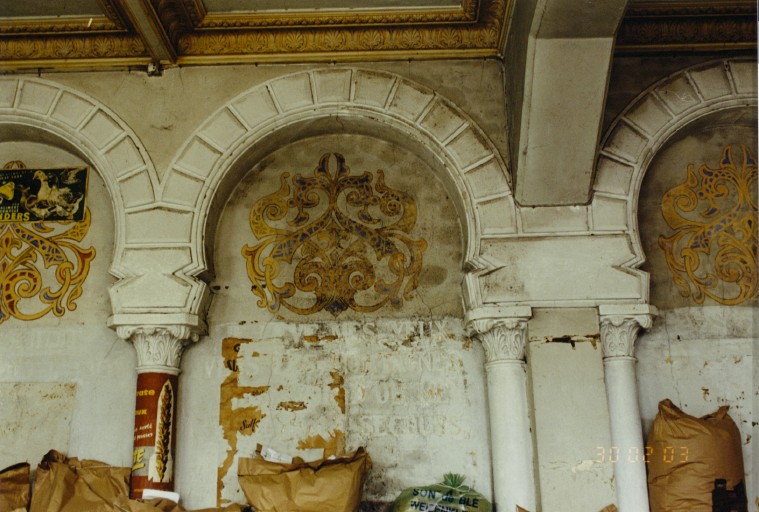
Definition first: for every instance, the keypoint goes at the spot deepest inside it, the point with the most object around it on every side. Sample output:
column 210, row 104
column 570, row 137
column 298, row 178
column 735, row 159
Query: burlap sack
column 14, row 488
column 325, row 485
column 686, row 454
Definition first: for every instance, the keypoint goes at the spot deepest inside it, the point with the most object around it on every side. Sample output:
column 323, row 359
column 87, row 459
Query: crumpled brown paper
column 71, row 485
column 14, row 488
column 686, row 454
column 333, row 485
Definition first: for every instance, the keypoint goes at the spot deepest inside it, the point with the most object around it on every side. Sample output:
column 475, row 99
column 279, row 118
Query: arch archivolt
column 162, row 223
column 61, row 116
column 377, row 103
column 646, row 124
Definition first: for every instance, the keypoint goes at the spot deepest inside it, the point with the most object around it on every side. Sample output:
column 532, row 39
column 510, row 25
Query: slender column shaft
column 511, row 439
column 159, row 351
column 618, row 334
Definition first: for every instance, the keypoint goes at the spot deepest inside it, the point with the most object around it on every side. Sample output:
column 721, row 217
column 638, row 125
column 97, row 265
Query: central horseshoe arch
column 334, row 100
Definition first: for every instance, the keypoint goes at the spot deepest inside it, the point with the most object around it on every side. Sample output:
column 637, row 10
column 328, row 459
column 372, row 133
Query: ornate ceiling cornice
column 183, row 32
column 687, row 26
column 191, row 35
column 467, row 13
column 366, row 41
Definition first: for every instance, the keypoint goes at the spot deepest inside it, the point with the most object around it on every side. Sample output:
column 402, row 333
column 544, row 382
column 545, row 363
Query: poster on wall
column 35, row 195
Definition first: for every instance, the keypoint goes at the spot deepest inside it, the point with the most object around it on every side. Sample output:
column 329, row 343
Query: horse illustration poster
column 34, row 195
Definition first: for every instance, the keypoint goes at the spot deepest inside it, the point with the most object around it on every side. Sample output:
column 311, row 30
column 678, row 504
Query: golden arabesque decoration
column 713, row 252
column 23, row 279
column 347, row 237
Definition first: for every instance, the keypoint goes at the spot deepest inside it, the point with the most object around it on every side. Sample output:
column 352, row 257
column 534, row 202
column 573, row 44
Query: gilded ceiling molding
column 115, row 13
column 174, row 17
column 659, row 26
column 64, row 52
column 32, row 26
column 467, row 13
column 465, row 40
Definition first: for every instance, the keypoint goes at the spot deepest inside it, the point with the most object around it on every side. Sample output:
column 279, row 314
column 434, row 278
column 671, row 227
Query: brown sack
column 686, row 454
column 71, row 485
column 14, row 488
column 332, row 485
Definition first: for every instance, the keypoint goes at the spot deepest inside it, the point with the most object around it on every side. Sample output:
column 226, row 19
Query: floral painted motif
column 338, row 230
column 713, row 251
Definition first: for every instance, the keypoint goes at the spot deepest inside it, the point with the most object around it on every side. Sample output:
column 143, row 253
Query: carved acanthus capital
column 619, row 332
column 503, row 338
column 159, row 348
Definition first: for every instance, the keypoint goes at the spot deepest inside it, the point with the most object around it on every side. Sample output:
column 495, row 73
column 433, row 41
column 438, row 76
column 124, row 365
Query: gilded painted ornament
column 343, row 239
column 42, row 266
column 713, row 252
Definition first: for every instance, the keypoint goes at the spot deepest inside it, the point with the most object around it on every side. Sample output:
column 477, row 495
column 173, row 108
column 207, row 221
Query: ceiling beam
column 569, row 47
column 147, row 23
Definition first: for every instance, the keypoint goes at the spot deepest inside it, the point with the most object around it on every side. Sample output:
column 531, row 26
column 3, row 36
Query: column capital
column 620, row 325
column 502, row 331
column 159, row 347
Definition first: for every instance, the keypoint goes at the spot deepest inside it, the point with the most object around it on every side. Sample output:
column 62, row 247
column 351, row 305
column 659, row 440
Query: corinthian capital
column 619, row 328
column 503, row 340
column 502, row 332
column 159, row 348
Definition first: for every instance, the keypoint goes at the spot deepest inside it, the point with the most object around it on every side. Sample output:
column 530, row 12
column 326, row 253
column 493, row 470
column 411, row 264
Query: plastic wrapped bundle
column 451, row 495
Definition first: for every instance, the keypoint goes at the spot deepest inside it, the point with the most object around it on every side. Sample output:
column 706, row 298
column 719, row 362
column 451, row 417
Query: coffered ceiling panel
column 66, row 34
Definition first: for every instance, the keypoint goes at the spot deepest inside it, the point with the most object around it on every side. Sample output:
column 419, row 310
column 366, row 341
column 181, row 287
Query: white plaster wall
column 701, row 358
column 571, row 415
column 73, row 368
column 415, row 398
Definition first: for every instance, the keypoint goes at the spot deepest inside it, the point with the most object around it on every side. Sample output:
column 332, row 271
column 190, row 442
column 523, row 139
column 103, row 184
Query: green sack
column 448, row 496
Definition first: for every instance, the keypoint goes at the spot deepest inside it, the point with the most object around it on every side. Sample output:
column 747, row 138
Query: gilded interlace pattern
column 348, row 238
column 713, row 252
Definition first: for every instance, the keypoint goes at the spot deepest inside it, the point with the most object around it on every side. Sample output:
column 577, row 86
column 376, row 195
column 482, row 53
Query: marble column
column 159, row 352
column 619, row 331
column 503, row 338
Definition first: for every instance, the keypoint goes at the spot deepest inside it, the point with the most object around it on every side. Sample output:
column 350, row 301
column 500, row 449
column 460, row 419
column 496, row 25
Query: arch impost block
column 183, row 325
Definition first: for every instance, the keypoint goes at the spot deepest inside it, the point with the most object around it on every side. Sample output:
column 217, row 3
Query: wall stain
column 335, row 445
column 291, row 406
column 314, row 338
column 337, row 383
column 242, row 420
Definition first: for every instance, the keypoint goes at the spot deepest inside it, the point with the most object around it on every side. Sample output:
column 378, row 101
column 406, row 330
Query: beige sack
column 686, row 454
column 332, row 485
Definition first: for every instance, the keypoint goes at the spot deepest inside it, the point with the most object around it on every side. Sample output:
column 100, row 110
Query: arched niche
column 38, row 109
column 647, row 124
column 420, row 198
column 341, row 100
